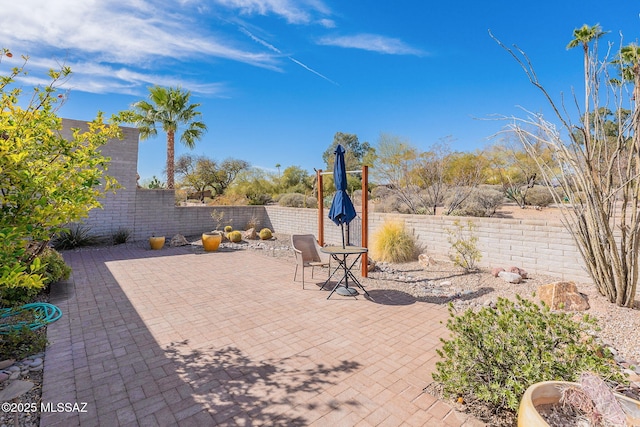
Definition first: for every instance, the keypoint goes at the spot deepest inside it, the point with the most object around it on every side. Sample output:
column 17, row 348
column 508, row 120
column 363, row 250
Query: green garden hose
column 43, row 314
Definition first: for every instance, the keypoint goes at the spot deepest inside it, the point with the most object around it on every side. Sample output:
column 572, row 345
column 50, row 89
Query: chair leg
column 295, row 273
column 303, row 277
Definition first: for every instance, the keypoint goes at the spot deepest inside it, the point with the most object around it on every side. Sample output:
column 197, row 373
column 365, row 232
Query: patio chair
column 308, row 254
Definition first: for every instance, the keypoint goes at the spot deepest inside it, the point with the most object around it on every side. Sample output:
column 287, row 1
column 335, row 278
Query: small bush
column 297, row 200
column 120, row 236
column 391, row 243
column 494, row 355
column 265, row 234
column 21, row 343
column 228, row 229
column 464, row 248
column 75, row 237
column 482, row 202
column 234, row 236
column 52, row 268
column 254, row 223
column 539, row 196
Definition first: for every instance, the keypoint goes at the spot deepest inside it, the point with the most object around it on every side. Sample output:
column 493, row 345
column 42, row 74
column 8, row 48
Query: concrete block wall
column 538, row 246
column 118, row 209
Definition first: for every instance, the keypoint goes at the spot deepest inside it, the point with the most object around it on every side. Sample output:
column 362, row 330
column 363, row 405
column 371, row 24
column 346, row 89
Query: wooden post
column 320, row 209
column 365, row 219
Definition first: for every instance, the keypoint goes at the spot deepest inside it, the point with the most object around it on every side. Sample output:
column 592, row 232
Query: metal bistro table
column 341, row 254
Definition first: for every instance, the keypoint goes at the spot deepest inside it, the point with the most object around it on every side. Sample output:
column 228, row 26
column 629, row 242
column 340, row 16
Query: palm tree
column 170, row 109
column 582, row 37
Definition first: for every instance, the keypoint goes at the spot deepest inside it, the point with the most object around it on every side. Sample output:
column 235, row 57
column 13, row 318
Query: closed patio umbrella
column 342, row 210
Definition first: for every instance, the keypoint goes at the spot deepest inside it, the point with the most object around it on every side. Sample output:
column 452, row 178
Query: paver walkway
column 181, row 337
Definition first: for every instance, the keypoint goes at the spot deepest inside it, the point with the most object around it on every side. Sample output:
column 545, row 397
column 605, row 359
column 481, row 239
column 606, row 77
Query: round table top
column 348, row 250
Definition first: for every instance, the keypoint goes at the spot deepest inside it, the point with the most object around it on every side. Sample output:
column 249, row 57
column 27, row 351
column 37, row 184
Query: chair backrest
column 307, row 245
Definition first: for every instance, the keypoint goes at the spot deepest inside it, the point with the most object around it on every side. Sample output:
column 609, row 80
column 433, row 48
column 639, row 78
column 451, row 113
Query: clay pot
column 156, row 243
column 211, row 241
column 548, row 392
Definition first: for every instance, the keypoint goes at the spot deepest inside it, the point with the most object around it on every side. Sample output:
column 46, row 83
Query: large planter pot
column 156, row 242
column 211, row 241
column 548, row 392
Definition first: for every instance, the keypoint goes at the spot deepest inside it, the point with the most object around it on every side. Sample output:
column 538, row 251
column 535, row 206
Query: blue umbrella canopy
column 342, row 210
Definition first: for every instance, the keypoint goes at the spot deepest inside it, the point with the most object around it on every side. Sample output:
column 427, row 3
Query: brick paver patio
column 181, row 337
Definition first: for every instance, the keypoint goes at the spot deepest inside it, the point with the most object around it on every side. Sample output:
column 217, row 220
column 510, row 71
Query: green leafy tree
column 294, row 179
column 171, row 110
column 46, row 180
column 202, row 173
column 356, row 154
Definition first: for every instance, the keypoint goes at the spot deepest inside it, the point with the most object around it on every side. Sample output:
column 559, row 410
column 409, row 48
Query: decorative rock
column 3, row 377
column 510, row 277
column 178, row 240
column 250, row 234
column 519, row 271
column 15, row 389
column 445, row 283
column 425, row 260
column 563, row 296
column 34, row 363
column 6, row 363
column 496, row 270
column 36, row 368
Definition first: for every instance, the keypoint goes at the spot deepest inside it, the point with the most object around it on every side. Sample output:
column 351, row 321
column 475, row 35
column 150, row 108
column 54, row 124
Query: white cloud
column 136, row 34
column 294, row 11
column 372, row 42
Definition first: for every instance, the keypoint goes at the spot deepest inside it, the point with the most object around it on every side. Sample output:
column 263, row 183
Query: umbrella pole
column 342, row 232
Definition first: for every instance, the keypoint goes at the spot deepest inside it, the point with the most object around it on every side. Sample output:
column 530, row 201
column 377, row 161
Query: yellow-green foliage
column 393, row 244
column 235, row 236
column 265, row 234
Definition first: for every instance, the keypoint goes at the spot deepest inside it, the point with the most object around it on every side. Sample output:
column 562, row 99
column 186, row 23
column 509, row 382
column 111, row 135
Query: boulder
column 178, row 240
column 495, row 271
column 510, row 277
column 250, row 234
column 563, row 296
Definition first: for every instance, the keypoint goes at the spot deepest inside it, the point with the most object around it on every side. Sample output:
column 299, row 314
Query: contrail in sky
column 275, row 49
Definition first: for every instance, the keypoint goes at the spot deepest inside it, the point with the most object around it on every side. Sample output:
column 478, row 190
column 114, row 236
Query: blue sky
column 276, row 79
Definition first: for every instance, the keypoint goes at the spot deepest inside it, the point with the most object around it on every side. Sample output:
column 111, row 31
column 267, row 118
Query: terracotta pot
column 211, row 241
column 547, row 392
column 156, row 242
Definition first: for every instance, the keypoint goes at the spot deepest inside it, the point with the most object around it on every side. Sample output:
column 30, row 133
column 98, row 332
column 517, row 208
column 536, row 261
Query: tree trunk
column 170, row 158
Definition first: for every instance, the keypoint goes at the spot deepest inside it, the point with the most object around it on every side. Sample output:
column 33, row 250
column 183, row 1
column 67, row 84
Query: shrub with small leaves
column 21, row 343
column 494, row 355
column 265, row 234
column 464, row 247
column 235, row 236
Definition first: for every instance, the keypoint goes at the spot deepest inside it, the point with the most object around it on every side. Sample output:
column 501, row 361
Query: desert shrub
column 297, row 200
column 464, row 247
column 254, row 223
column 392, row 243
column 234, row 236
column 120, row 236
column 482, row 202
column 258, row 199
column 265, row 234
column 75, row 237
column 539, row 195
column 228, row 229
column 494, row 355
